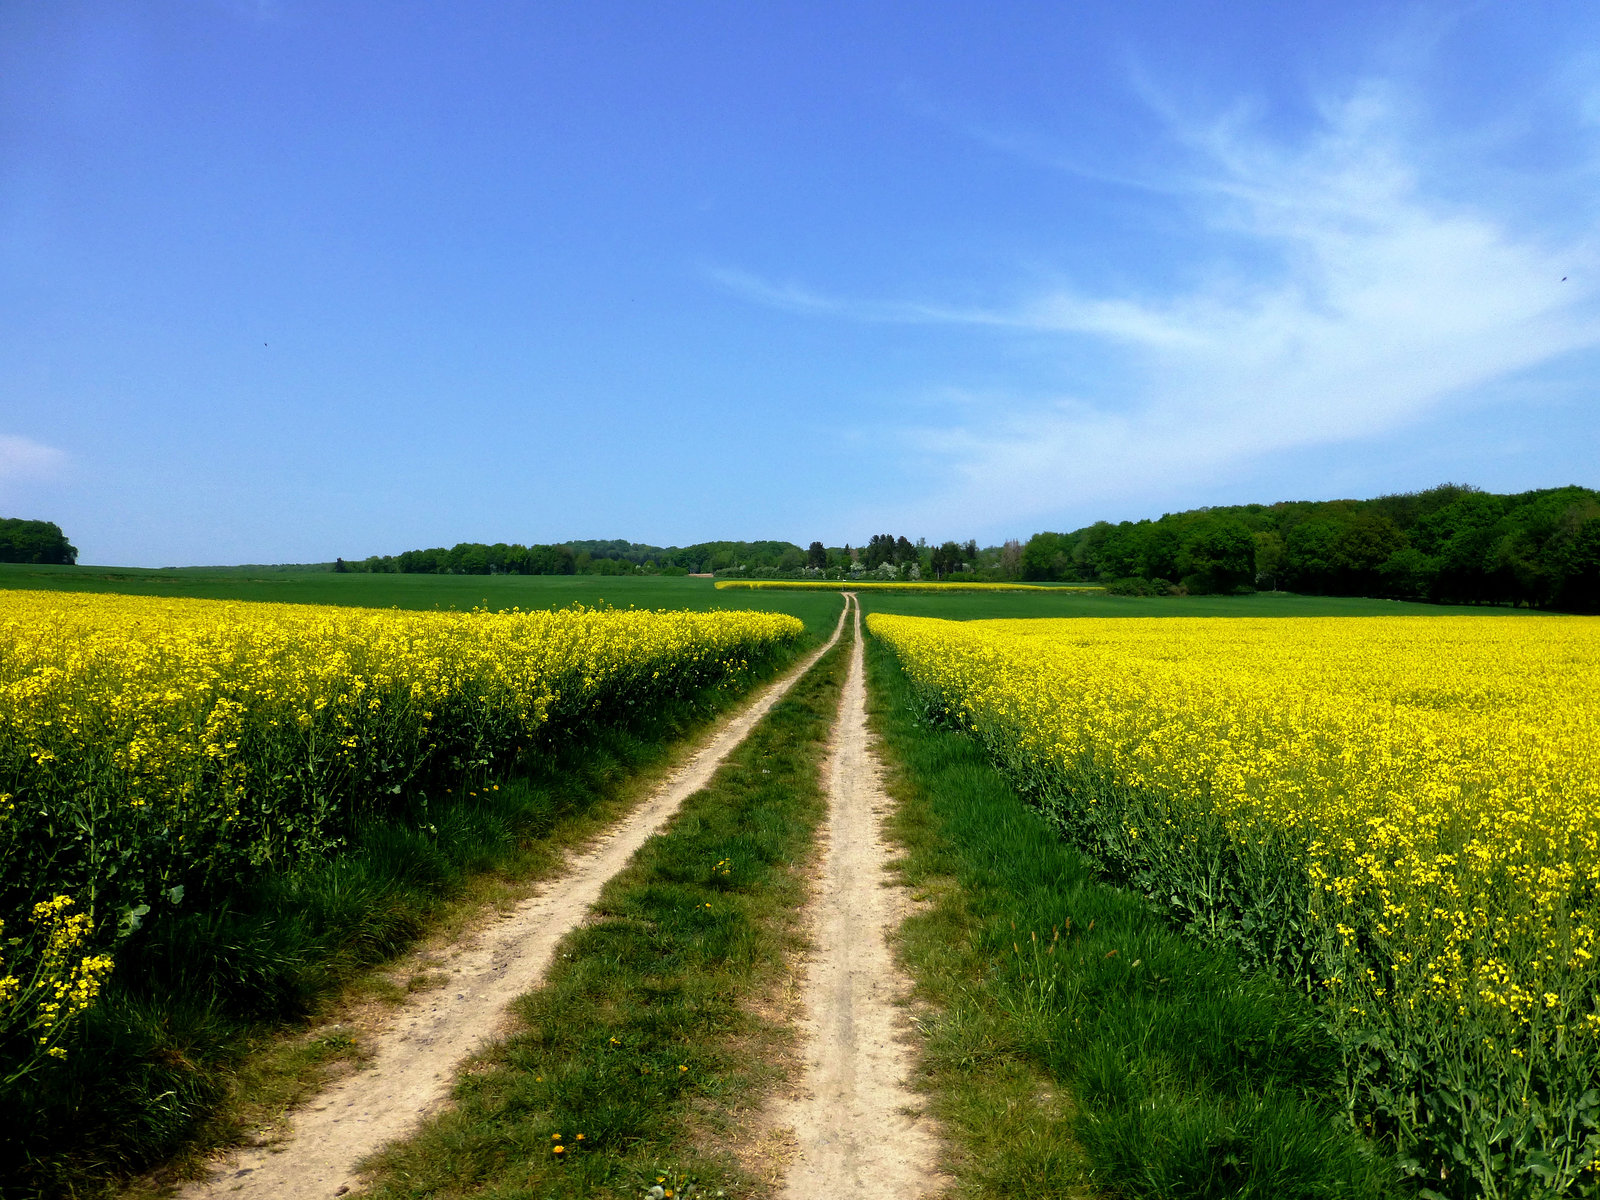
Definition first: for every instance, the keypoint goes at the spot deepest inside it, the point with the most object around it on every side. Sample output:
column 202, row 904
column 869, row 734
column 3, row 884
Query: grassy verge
column 1076, row 1044
column 640, row 1060
column 217, row 1020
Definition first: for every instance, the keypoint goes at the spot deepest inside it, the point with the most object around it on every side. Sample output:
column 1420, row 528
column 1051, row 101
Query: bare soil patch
column 858, row 1125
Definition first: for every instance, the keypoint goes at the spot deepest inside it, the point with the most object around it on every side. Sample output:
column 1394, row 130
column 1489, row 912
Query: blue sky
column 283, row 280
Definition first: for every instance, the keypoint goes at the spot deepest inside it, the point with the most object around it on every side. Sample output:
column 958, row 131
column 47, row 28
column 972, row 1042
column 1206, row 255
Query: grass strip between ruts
column 646, row 1051
column 219, row 1020
column 1076, row 1044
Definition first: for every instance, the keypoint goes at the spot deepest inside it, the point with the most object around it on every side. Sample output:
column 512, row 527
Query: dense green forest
column 1454, row 544
column 469, row 558
column 884, row 554
column 589, row 558
column 34, row 542
column 1451, row 544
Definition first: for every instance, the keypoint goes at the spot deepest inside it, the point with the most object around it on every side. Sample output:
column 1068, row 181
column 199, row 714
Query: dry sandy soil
column 415, row 1059
column 857, row 1128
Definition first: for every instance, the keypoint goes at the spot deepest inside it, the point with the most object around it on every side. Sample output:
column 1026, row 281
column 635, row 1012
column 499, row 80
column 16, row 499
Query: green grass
column 647, row 1038
column 1076, row 1044
column 461, row 592
column 216, row 1020
column 818, row 609
column 978, row 606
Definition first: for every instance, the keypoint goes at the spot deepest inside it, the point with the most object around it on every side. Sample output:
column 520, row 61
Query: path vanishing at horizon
column 849, row 1113
column 857, row 1124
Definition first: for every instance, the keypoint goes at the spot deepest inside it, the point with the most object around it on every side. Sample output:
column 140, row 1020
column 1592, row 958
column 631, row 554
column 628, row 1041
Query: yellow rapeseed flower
column 207, row 740
column 1416, row 798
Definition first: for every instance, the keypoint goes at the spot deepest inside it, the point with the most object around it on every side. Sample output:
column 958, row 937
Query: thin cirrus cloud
column 1384, row 302
column 23, row 460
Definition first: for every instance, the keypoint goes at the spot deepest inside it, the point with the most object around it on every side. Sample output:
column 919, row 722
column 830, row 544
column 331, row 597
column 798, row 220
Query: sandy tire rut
column 856, row 1122
column 416, row 1057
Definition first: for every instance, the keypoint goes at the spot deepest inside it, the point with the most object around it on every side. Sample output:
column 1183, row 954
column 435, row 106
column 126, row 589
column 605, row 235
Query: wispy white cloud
column 23, row 460
column 797, row 298
column 1384, row 301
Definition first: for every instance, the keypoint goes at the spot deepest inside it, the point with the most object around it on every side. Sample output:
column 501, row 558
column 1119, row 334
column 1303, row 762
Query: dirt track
column 415, row 1058
column 852, row 1130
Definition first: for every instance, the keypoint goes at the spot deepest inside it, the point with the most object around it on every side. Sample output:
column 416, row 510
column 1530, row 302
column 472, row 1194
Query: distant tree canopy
column 886, row 548
column 473, row 558
column 34, row 542
column 1453, row 544
column 948, row 558
column 590, row 558
column 750, row 559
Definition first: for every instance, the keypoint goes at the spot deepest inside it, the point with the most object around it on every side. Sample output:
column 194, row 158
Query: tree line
column 469, row 558
column 34, row 542
column 884, row 554
column 1451, row 544
column 919, row 559
column 588, row 558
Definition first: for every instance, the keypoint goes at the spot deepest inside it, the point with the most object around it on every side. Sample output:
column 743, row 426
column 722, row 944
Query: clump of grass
column 643, row 1055
column 208, row 1029
column 1075, row 1042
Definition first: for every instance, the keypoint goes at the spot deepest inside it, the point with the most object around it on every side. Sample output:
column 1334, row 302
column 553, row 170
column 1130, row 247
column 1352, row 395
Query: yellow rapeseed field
column 1402, row 814
column 149, row 745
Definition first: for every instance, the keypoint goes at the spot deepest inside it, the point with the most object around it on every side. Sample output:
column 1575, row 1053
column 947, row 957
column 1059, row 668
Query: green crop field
column 816, row 609
column 979, row 606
